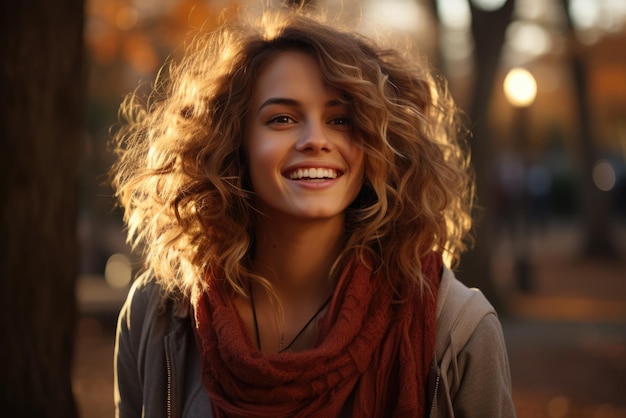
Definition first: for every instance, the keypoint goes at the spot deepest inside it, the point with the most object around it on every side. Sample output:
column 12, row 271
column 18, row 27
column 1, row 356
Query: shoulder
column 146, row 298
column 143, row 297
column 147, row 313
column 460, row 310
column 140, row 357
column 470, row 343
column 139, row 311
column 140, row 295
column 453, row 294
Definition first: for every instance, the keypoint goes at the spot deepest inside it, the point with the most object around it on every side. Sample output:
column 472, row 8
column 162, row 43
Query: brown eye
column 279, row 120
column 340, row 121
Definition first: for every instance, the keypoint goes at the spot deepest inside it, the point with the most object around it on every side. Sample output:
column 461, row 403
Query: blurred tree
column 488, row 29
column 41, row 115
column 598, row 239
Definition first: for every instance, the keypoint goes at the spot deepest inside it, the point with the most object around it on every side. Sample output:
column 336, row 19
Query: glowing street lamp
column 520, row 89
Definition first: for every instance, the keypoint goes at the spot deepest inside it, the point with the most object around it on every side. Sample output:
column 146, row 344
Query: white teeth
column 313, row 173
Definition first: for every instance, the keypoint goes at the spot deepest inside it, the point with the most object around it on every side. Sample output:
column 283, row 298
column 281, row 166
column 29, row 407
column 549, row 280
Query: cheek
column 264, row 161
column 252, row 148
column 357, row 164
column 260, row 157
column 357, row 160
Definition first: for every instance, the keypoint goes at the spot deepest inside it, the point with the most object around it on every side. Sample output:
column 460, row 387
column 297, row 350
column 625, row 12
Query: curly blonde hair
column 182, row 176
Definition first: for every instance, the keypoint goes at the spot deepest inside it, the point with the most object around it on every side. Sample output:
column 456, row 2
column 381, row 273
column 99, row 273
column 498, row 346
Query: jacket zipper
column 168, row 366
column 432, row 406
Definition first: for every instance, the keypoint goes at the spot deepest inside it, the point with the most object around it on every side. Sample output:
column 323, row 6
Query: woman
column 295, row 189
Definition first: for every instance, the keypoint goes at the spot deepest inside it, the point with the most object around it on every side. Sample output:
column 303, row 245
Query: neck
column 296, row 257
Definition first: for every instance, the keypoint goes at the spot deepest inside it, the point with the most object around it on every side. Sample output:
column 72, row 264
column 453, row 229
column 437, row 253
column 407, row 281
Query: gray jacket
column 157, row 366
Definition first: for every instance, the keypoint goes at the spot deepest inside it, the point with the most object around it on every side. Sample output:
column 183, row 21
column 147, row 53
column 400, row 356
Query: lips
column 313, row 173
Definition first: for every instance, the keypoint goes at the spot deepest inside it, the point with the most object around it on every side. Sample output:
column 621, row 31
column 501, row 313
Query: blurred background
column 543, row 83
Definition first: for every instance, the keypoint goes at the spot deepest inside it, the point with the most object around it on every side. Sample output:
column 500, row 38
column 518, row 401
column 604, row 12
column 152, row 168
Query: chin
column 318, row 215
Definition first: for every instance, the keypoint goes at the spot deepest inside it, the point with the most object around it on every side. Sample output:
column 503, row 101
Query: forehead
column 283, row 59
column 286, row 71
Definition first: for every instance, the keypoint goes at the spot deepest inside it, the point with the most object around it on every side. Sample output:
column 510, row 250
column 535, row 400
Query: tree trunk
column 488, row 30
column 41, row 110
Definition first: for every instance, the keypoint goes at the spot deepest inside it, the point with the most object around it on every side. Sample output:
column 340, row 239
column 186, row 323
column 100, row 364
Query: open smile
column 312, row 173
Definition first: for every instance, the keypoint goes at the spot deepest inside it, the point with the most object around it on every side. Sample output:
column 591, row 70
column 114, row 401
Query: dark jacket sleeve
column 128, row 388
column 152, row 369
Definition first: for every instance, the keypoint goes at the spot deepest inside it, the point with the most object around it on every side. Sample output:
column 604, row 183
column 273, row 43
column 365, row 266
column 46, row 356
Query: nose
column 313, row 138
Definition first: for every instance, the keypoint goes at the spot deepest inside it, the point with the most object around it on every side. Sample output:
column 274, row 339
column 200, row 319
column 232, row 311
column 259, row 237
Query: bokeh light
column 118, row 271
column 520, row 87
column 528, row 38
column 604, row 176
column 489, row 5
column 402, row 15
column 454, row 13
column 126, row 18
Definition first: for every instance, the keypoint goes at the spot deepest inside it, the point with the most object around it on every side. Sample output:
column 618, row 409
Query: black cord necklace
column 281, row 343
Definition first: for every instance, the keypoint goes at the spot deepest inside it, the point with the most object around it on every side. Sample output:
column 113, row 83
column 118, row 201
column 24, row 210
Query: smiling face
column 303, row 161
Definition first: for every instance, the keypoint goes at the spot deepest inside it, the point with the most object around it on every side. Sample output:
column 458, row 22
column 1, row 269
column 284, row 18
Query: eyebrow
column 293, row 103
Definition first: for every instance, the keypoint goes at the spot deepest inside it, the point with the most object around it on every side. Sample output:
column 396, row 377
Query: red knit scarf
column 371, row 359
